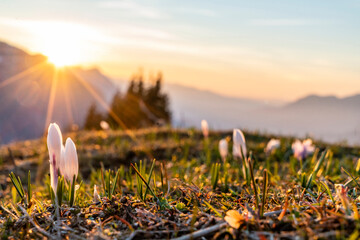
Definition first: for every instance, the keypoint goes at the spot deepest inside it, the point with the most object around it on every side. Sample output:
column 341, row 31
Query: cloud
column 200, row 12
column 133, row 8
column 137, row 31
column 285, row 22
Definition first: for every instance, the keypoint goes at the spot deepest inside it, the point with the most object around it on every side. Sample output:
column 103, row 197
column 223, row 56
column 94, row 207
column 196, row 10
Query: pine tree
column 93, row 118
column 141, row 106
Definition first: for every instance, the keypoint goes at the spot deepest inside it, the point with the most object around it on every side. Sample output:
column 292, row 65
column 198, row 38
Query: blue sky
column 277, row 50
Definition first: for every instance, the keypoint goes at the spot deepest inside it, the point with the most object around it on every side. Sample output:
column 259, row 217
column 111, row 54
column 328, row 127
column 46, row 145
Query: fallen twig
column 38, row 228
column 202, row 232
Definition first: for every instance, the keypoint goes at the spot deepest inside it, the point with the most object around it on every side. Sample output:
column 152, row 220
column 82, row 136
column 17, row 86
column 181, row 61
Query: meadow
column 164, row 183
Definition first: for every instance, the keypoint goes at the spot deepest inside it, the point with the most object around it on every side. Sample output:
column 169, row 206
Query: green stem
column 265, row 180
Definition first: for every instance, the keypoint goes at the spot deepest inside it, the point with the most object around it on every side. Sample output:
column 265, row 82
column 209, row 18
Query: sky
column 259, row 49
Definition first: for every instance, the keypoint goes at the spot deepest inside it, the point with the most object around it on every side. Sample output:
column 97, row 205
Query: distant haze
column 25, row 105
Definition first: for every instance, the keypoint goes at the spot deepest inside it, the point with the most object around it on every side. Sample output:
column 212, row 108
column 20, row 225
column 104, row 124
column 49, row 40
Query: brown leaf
column 234, row 218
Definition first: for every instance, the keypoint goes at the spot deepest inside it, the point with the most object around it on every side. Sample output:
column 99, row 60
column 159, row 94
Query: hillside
column 186, row 196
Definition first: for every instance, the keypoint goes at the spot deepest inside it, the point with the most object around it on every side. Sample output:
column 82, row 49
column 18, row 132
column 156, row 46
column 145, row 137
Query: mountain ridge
column 36, row 91
column 324, row 117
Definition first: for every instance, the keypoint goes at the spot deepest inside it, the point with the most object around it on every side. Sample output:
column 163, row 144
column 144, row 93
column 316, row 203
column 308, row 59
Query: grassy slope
column 188, row 201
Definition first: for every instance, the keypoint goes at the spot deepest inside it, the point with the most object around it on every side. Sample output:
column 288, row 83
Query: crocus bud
column 104, row 125
column 96, row 195
column 54, row 143
column 70, row 160
column 223, row 148
column 272, row 145
column 205, row 128
column 239, row 143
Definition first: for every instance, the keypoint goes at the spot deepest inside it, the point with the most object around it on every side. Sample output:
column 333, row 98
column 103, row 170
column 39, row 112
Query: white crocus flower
column 239, row 143
column 223, row 148
column 205, row 128
column 302, row 149
column 272, row 145
column 70, row 160
column 54, row 143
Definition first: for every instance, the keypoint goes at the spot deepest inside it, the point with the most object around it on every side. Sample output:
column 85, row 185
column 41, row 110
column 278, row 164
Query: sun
column 61, row 57
column 63, row 43
column 62, row 51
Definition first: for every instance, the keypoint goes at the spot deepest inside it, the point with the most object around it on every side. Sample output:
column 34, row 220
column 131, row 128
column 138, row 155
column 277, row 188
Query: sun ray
column 107, row 107
column 67, row 99
column 52, row 95
column 99, row 99
column 21, row 74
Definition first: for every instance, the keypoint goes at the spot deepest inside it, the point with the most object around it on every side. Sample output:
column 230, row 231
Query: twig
column 38, row 228
column 133, row 234
column 9, row 212
column 202, row 232
column 268, row 214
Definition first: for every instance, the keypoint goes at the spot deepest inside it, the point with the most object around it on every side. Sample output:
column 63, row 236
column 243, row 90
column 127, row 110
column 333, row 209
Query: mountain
column 190, row 106
column 32, row 89
column 26, row 83
column 327, row 118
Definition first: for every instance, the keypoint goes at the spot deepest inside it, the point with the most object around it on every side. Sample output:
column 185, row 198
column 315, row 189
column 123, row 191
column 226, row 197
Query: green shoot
column 349, row 174
column 29, row 187
column 316, row 169
column 102, row 177
column 215, row 169
column 139, row 184
column 114, row 183
column 144, row 181
column 18, row 185
column 253, row 183
column 150, row 174
column 265, row 183
column 324, row 184
column 60, row 190
column 72, row 191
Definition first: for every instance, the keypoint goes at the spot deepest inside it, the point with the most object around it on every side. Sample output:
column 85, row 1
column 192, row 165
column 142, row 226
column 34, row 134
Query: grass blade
column 349, row 174
column 266, row 179
column 328, row 191
column 72, row 192
column 29, row 187
column 149, row 179
column 115, row 183
column 144, row 181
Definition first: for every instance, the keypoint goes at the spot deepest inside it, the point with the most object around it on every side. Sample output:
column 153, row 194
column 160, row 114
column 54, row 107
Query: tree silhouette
column 93, row 118
column 141, row 106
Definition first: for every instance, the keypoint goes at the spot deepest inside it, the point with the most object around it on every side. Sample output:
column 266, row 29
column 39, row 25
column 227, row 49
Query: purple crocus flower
column 302, row 149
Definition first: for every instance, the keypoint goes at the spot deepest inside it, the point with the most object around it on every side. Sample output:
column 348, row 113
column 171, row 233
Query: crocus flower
column 302, row 149
column 54, row 143
column 205, row 128
column 272, row 145
column 70, row 164
column 239, row 143
column 223, row 148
